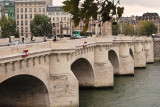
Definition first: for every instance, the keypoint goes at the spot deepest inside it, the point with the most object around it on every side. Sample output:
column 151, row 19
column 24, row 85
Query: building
column 24, row 13
column 11, row 10
column 63, row 24
column 60, row 20
column 126, row 20
column 154, row 17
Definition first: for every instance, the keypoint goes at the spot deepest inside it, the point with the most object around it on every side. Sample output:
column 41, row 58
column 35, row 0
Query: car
column 16, row 42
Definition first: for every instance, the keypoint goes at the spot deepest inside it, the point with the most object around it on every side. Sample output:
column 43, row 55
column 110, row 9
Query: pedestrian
column 45, row 38
column 10, row 40
column 23, row 40
column 31, row 38
column 54, row 38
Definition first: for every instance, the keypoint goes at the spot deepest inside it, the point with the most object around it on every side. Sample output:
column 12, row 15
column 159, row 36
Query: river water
column 140, row 90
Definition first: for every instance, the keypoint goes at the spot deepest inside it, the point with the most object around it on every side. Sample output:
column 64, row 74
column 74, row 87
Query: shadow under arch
column 113, row 58
column 83, row 71
column 23, row 91
column 131, row 53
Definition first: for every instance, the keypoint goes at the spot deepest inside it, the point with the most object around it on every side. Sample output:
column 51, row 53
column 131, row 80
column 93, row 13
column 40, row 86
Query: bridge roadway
column 53, row 71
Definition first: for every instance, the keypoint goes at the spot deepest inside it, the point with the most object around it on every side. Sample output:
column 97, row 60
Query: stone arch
column 83, row 71
column 113, row 58
column 131, row 53
column 23, row 90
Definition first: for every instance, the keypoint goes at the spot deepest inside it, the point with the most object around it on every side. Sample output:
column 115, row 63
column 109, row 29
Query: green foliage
column 115, row 29
column 128, row 29
column 40, row 26
column 147, row 28
column 90, row 9
column 8, row 27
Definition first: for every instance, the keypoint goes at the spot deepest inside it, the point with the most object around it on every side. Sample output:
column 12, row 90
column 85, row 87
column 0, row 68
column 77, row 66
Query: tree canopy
column 128, row 29
column 108, row 9
column 146, row 28
column 115, row 29
column 41, row 26
column 8, row 27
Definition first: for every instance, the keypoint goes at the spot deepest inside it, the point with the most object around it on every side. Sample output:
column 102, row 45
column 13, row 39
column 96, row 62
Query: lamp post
column 99, row 27
column 94, row 24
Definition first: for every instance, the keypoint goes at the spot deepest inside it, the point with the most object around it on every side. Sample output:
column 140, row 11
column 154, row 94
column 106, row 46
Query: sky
column 132, row 7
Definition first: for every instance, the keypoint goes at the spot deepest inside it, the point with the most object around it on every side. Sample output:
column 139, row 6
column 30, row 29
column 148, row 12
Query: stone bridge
column 52, row 73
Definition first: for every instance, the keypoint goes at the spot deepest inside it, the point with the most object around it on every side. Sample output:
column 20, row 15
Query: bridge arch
column 23, row 90
column 131, row 53
column 84, row 73
column 113, row 58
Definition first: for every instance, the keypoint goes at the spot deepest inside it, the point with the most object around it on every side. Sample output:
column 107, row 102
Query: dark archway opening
column 83, row 71
column 23, row 91
column 131, row 53
column 113, row 58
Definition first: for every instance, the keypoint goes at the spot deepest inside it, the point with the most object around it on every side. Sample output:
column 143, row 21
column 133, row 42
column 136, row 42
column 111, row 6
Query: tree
column 128, row 29
column 146, row 28
column 41, row 26
column 91, row 8
column 8, row 27
column 115, row 29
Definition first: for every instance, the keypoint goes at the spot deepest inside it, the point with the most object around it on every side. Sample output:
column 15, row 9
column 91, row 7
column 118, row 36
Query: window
column 21, row 22
column 53, row 24
column 26, row 22
column 21, row 16
column 21, row 29
column 17, row 16
column 39, row 9
column 53, row 19
column 25, row 16
column 64, row 18
column 17, row 9
column 43, row 9
column 35, row 9
column 21, row 9
column 17, row 22
column 30, row 16
column 26, row 29
column 18, row 29
column 64, row 25
column 25, row 9
column 30, row 9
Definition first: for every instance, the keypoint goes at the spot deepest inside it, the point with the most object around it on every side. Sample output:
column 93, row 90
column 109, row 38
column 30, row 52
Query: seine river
column 141, row 90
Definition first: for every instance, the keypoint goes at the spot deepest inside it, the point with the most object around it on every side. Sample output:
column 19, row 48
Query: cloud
column 138, row 10
column 144, row 3
column 132, row 7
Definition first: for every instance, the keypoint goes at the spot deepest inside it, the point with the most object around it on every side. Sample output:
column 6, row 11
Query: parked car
column 16, row 42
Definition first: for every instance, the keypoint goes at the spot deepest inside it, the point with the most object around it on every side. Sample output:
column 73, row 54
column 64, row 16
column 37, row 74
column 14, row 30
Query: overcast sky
column 132, row 7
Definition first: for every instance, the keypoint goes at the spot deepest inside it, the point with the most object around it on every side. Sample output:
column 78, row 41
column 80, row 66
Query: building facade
column 63, row 24
column 24, row 13
column 154, row 17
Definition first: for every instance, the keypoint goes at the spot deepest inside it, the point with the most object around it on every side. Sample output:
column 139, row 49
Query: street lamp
column 61, row 34
column 94, row 25
column 99, row 27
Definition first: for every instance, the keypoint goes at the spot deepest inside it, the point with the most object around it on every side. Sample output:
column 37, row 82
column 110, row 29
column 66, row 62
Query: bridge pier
column 149, row 51
column 140, row 56
column 63, row 84
column 126, row 60
column 103, row 69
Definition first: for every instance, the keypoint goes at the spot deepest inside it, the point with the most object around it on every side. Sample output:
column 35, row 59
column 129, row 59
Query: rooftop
column 30, row 0
column 55, row 8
